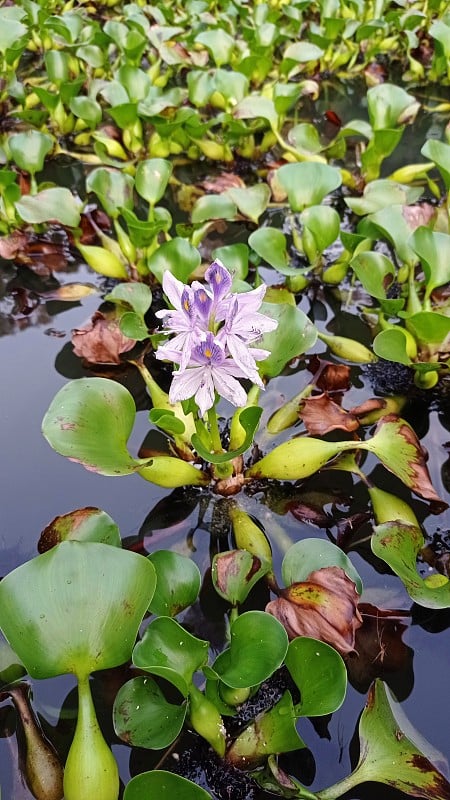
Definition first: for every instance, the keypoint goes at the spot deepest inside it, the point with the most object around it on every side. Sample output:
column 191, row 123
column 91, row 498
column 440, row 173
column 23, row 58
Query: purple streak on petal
column 219, row 279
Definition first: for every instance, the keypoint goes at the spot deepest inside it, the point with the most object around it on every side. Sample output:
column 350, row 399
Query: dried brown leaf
column 321, row 415
column 13, row 244
column 324, row 607
column 101, row 341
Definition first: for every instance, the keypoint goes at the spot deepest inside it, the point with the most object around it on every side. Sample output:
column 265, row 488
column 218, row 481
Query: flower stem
column 214, row 430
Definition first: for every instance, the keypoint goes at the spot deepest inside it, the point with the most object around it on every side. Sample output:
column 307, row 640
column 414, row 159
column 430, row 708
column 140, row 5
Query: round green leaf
column 294, row 335
column 178, row 583
column 164, row 786
column 29, row 149
column 86, row 109
column 257, row 648
column 429, row 327
column 235, row 258
column 142, row 717
column 251, row 201
column 323, row 223
column 46, row 608
column 168, row 650
column 57, row 204
column 319, row 673
column 307, row 555
column 219, row 43
column 391, row 345
column 213, row 206
column 90, row 420
column 178, row 256
column 270, row 244
column 433, row 249
column 113, row 188
column 307, row 183
column 439, row 152
column 152, row 177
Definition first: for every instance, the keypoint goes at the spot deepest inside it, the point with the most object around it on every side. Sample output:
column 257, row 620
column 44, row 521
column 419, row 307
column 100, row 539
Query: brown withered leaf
column 379, row 648
column 329, row 377
column 13, row 244
column 417, row 215
column 324, row 607
column 220, row 183
column 321, row 415
column 101, row 341
column 279, row 195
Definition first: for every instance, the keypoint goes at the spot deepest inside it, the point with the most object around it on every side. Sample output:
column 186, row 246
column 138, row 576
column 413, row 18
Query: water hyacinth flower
column 215, row 331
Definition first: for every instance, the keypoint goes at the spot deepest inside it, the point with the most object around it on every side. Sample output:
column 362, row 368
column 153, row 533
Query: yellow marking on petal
column 208, row 353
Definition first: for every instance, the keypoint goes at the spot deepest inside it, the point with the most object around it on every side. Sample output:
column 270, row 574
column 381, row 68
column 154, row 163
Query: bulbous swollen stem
column 91, row 769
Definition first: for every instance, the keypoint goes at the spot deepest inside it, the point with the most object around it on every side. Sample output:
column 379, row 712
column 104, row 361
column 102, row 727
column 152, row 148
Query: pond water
column 37, row 485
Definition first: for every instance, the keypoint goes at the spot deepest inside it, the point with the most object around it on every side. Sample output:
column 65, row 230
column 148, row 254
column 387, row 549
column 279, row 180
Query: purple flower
column 209, row 371
column 215, row 333
column 183, row 321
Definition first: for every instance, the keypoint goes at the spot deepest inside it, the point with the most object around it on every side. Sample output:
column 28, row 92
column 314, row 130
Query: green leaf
column 251, row 201
column 270, row 244
column 178, row 256
column 256, row 106
column 142, row 717
column 249, row 419
column 322, row 223
column 391, row 345
column 308, row 555
column 57, row 204
column 307, row 183
column 235, row 258
column 272, row 732
column 377, row 273
column 302, row 52
column 29, row 149
column 168, row 650
column 219, row 43
column 389, row 106
column 90, row 420
column 294, row 335
column 391, row 223
column 382, row 193
column 429, row 327
column 165, row 786
column 86, row 109
column 46, row 608
column 166, row 420
column 113, row 188
column 213, row 206
column 11, row 30
column 433, row 249
column 399, row 545
column 439, row 152
column 319, row 673
column 134, row 294
column 178, row 583
column 258, row 645
column 152, row 177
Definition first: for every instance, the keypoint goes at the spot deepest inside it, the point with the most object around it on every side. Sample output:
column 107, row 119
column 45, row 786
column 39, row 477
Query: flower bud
column 206, row 720
column 348, row 349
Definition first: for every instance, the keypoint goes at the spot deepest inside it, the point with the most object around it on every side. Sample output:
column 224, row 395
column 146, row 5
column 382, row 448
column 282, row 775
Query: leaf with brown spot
column 235, row 572
column 220, row 183
column 321, row 415
column 323, row 607
column 398, row 448
column 84, row 524
column 389, row 753
column 101, row 341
